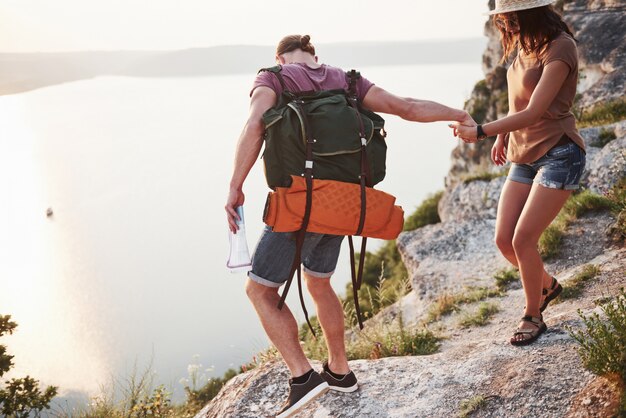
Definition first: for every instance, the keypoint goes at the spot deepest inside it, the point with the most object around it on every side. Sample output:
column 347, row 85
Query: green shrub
column 602, row 344
column 481, row 316
column 20, row 397
column 574, row 287
column 603, row 113
column 505, row 277
column 605, row 136
column 425, row 214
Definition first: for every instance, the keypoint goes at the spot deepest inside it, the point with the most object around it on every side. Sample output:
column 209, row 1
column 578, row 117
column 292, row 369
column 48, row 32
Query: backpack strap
column 365, row 181
column 357, row 278
column 308, row 175
column 353, row 77
column 276, row 71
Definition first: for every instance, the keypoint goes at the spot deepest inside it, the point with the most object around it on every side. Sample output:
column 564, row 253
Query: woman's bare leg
column 510, row 206
column 542, row 206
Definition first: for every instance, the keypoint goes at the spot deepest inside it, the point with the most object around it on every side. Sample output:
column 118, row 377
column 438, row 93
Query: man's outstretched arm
column 415, row 110
column 248, row 149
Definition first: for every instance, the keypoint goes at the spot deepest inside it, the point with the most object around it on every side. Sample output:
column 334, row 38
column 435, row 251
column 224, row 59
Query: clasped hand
column 465, row 129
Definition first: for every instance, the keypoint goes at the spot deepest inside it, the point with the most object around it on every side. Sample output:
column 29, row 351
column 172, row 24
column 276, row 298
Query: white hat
column 506, row 6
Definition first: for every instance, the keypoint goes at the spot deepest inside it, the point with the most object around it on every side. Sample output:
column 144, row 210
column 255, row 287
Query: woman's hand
column 498, row 151
column 468, row 133
column 464, row 128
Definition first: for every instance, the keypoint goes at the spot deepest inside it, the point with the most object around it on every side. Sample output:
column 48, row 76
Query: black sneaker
column 302, row 394
column 347, row 382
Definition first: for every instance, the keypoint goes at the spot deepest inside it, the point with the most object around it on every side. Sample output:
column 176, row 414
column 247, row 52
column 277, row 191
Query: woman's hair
column 293, row 42
column 537, row 27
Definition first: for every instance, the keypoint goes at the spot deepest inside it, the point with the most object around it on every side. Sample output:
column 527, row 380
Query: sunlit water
column 131, row 266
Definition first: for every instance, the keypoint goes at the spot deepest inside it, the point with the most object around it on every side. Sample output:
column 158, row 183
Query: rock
column 449, row 255
column 607, row 166
column 599, row 28
column 478, row 199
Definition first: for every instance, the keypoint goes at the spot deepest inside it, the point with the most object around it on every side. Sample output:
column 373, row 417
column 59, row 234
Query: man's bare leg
column 330, row 315
column 280, row 326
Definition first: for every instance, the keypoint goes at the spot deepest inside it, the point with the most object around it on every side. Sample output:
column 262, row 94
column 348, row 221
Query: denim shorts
column 274, row 254
column 560, row 168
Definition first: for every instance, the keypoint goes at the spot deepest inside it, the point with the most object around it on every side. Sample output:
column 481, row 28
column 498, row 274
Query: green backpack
column 336, row 129
column 325, row 135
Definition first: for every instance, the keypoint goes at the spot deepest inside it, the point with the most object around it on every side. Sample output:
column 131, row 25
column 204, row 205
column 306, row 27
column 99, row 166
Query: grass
column 392, row 340
column 505, row 277
column 425, row 214
column 448, row 303
column 603, row 113
column 481, row 316
column 577, row 205
column 484, row 176
column 602, row 344
column 574, row 287
column 471, row 405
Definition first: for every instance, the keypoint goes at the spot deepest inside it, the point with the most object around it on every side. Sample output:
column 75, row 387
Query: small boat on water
column 49, row 212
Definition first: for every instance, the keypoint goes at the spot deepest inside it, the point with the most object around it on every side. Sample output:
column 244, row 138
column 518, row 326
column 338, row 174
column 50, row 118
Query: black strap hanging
column 308, row 175
column 365, row 181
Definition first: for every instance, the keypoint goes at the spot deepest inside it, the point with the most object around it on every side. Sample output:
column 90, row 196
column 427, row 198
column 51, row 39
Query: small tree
column 19, row 398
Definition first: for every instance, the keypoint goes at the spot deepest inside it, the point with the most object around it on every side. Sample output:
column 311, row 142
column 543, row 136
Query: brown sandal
column 532, row 333
column 555, row 290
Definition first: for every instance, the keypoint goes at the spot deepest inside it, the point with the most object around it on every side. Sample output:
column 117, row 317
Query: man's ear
column 315, row 58
column 280, row 59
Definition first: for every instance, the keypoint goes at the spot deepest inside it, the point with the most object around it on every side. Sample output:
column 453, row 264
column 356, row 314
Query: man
column 275, row 251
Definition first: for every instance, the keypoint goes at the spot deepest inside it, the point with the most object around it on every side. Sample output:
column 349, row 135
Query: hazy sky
column 69, row 25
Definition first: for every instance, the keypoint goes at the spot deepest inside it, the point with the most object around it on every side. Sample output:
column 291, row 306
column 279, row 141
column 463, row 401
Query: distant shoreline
column 21, row 72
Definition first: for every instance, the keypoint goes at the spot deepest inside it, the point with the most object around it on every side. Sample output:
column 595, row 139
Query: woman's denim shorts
column 560, row 168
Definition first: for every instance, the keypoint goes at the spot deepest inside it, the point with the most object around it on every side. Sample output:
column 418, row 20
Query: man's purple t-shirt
column 300, row 77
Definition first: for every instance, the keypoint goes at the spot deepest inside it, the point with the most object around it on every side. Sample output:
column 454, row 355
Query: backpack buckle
column 308, row 164
column 363, row 141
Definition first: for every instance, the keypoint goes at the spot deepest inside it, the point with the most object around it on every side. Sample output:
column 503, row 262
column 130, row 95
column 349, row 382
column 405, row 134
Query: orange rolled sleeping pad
column 335, row 209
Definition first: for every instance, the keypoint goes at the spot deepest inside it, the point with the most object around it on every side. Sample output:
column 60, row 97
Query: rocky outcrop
column 599, row 27
column 544, row 379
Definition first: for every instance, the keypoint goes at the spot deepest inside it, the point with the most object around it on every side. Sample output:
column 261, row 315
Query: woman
column 539, row 137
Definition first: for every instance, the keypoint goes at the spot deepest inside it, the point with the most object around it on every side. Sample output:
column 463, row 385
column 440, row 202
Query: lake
column 130, row 268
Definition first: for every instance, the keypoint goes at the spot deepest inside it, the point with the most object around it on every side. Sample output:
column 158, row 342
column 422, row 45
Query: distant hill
column 21, row 72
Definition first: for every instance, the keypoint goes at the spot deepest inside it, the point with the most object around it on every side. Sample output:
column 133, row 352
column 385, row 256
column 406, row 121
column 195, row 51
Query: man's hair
column 293, row 42
column 537, row 27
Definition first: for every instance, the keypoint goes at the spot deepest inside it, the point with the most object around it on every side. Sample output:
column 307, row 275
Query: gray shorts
column 274, row 254
column 560, row 168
